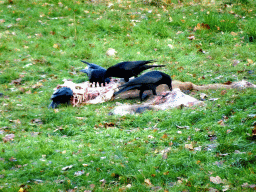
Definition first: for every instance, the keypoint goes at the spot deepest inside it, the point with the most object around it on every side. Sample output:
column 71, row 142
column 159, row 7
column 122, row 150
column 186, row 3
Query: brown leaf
column 107, row 125
column 92, row 186
column 165, row 136
column 38, row 121
column 201, row 26
column 12, row 159
column 16, row 81
column 223, row 92
column 227, row 83
column 229, row 131
column 191, row 37
column 201, row 50
column 221, row 122
column 254, row 131
column 8, row 137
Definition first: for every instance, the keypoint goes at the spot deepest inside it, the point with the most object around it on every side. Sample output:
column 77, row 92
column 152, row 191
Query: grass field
column 84, row 148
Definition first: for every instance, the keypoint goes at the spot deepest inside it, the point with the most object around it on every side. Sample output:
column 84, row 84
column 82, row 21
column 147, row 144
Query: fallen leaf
column 216, row 180
column 8, row 137
column 233, row 33
column 79, row 173
column 165, row 152
column 221, row 122
column 182, row 127
column 165, row 136
column 111, row 52
column 201, row 26
column 38, row 121
column 171, row 46
column 250, row 61
column 235, row 62
column 189, row 146
column 55, row 46
column 223, row 92
column 201, row 51
column 229, row 131
column 191, row 37
column 212, row 190
column 107, row 125
column 67, row 167
column 147, row 181
column 203, row 96
column 225, row 187
column 12, row 159
column 16, row 81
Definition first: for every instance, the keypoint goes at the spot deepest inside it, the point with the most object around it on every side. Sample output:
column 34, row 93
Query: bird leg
column 142, row 96
column 126, row 79
column 154, row 91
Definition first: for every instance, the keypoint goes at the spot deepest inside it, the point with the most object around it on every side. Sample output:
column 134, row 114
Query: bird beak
column 170, row 87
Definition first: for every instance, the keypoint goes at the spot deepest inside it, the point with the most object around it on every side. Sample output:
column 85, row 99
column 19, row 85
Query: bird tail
column 152, row 61
column 85, row 62
column 52, row 105
column 126, row 89
column 151, row 66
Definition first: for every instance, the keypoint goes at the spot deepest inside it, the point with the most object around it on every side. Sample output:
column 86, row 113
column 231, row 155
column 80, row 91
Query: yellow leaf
column 21, row 189
column 189, row 146
column 147, row 181
column 250, row 61
column 166, row 173
column 55, row 46
column 233, row 33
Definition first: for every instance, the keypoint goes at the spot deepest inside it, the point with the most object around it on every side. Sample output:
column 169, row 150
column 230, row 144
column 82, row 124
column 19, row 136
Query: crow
column 147, row 81
column 62, row 95
column 95, row 73
column 129, row 69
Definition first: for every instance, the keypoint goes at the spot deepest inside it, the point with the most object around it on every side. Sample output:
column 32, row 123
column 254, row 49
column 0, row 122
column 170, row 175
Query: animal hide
column 166, row 100
column 88, row 93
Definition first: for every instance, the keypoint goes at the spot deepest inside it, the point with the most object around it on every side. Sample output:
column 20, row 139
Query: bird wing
column 93, row 66
column 129, row 65
column 127, row 88
column 64, row 91
column 87, row 71
column 151, row 77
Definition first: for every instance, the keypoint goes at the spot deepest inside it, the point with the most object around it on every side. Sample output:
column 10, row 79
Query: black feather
column 62, row 95
column 95, row 73
column 147, row 81
column 129, row 69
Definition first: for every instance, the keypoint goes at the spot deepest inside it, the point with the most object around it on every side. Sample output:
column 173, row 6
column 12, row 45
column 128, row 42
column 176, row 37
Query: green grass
column 42, row 42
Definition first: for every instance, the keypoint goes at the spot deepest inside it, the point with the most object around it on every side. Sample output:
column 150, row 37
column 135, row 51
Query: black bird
column 95, row 73
column 62, row 95
column 129, row 69
column 147, row 81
